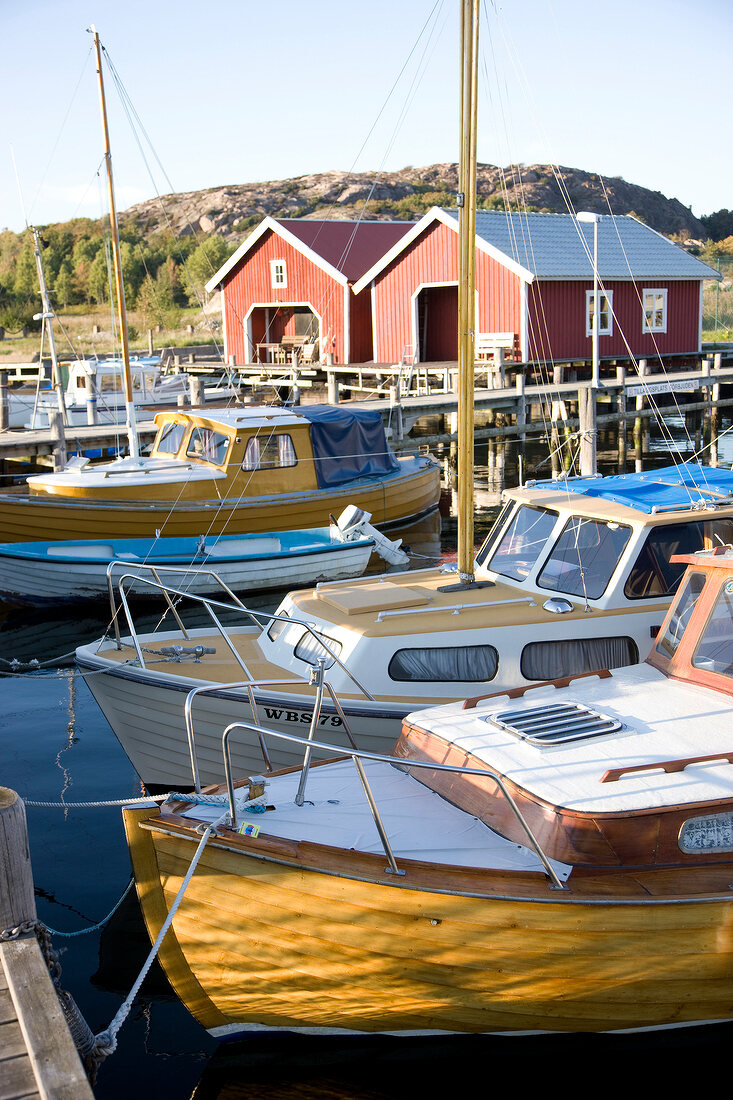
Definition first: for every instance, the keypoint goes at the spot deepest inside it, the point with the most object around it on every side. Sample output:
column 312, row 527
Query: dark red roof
column 351, row 247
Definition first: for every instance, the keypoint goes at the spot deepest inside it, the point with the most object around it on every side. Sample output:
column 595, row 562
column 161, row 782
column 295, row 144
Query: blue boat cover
column 347, row 443
column 664, row 489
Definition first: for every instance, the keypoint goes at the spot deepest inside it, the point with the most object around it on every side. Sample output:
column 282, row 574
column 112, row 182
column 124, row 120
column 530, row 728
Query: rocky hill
column 233, row 210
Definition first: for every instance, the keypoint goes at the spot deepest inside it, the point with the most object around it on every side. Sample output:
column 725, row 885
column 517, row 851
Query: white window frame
column 647, row 309
column 602, row 331
column 278, row 274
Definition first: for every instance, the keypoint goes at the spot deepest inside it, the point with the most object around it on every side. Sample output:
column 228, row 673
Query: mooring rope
column 105, row 1042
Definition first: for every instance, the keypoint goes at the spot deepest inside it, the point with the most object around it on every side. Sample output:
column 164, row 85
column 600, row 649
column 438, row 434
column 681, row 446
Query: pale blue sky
column 234, row 92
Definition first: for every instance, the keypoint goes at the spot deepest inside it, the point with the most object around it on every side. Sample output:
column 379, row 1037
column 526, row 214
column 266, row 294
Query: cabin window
column 461, row 664
column 309, row 649
column 680, row 616
column 570, row 657
column 714, row 651
column 278, row 274
column 584, row 557
column 653, row 574
column 208, row 445
column 170, row 438
column 269, row 453
column 493, row 534
column 655, row 310
column 605, row 312
column 277, row 626
column 523, row 542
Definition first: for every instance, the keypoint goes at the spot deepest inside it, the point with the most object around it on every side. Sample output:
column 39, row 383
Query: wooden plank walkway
column 39, row 443
column 38, row 1057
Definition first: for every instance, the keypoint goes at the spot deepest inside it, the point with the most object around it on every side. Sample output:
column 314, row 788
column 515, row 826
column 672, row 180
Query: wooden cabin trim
column 629, row 838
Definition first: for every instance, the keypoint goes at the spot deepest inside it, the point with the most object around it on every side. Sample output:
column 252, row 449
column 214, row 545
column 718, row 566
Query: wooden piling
column 621, row 411
column 587, row 426
column 4, row 401
column 56, row 424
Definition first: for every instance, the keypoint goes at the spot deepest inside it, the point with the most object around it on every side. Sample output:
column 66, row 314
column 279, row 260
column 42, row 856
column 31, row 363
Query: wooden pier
column 520, row 409
column 38, row 1057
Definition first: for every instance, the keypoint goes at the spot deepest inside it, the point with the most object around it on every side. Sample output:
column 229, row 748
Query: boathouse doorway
column 437, row 324
column 285, row 327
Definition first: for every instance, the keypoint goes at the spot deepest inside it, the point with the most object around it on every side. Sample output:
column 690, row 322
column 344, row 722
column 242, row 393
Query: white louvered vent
column 555, row 723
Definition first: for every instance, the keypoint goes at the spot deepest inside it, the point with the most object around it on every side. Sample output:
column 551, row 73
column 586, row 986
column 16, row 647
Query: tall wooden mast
column 467, row 283
column 117, row 263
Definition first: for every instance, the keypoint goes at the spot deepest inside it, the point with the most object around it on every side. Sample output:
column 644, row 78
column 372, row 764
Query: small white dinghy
column 43, row 573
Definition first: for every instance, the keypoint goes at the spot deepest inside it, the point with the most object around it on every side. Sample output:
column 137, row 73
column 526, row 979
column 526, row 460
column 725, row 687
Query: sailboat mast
column 117, row 263
column 467, row 283
column 47, row 315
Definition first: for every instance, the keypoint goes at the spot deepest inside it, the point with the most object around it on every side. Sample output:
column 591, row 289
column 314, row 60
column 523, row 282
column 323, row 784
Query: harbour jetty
column 38, row 1057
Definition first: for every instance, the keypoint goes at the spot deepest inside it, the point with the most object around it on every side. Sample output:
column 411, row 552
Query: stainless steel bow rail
column 173, row 596
column 358, row 757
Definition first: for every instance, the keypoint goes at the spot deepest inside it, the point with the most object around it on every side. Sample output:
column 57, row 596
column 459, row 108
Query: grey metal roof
column 551, row 246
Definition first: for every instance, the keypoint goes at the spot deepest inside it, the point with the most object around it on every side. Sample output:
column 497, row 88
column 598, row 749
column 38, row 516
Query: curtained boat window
column 524, row 541
column 309, row 649
column 269, row 453
column 715, row 649
column 584, row 557
column 680, row 615
column 208, row 445
column 170, row 438
column 653, row 574
column 461, row 664
column 569, row 657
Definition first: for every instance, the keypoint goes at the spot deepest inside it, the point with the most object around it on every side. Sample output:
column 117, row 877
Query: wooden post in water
column 639, row 423
column 587, row 418
column 333, row 389
column 56, row 424
column 198, row 396
column 4, row 401
column 707, row 396
column 17, row 898
column 621, row 410
column 395, row 412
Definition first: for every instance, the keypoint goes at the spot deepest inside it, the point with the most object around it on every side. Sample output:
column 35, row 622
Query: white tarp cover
column 419, row 823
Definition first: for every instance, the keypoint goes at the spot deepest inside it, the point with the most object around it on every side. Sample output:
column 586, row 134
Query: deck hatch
column 556, row 723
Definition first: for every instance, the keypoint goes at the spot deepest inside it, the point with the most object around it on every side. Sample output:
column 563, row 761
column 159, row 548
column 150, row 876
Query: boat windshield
column 653, row 573
column 584, row 558
column 170, row 438
column 523, row 542
column 714, row 651
column 680, row 614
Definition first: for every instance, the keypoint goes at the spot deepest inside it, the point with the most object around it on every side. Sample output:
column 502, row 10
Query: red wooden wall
column 557, row 320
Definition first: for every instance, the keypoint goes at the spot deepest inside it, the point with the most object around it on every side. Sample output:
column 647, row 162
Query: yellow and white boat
column 559, row 861
column 574, row 576
column 229, row 471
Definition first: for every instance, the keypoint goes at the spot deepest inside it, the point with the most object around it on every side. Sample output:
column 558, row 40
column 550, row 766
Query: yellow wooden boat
column 229, row 471
column 552, row 859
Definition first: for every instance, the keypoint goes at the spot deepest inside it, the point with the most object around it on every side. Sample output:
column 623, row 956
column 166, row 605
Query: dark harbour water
column 56, row 746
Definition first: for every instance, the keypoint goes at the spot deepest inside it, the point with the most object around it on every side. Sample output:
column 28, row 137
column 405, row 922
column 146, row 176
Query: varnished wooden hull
column 273, row 934
column 27, row 517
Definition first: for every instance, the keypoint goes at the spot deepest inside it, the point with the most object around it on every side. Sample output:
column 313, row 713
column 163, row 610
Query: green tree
column 203, row 262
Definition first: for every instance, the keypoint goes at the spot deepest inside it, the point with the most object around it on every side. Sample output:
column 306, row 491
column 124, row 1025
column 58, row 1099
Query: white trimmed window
column 605, row 312
column 278, row 274
column 655, row 310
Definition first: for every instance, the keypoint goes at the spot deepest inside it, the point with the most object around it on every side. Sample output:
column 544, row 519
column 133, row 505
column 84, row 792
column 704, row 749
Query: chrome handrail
column 357, row 757
column 250, row 687
column 259, row 618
